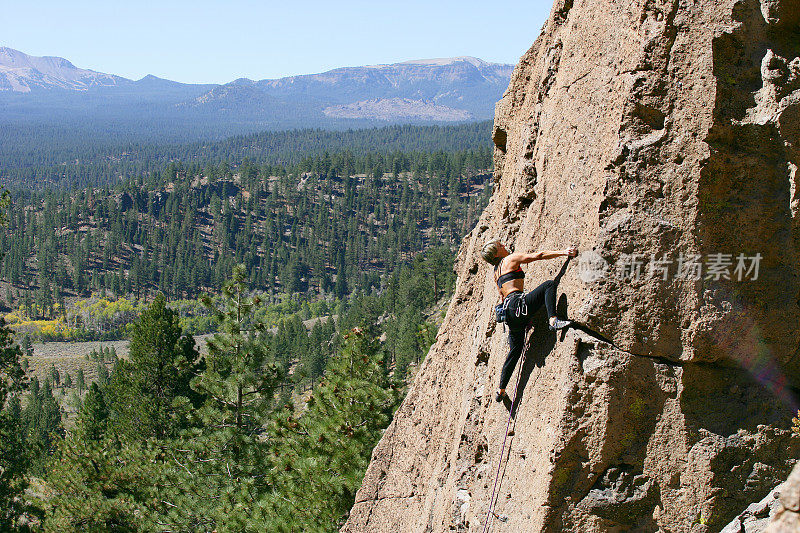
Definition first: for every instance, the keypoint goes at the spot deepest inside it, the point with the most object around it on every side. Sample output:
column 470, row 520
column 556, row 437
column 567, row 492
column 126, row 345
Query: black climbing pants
column 519, row 314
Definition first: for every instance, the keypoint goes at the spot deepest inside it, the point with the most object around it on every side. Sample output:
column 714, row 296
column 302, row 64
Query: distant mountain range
column 22, row 73
column 52, row 93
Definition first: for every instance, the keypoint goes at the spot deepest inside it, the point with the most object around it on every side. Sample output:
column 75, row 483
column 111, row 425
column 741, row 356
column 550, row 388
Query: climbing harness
column 523, row 308
column 501, row 310
column 491, row 515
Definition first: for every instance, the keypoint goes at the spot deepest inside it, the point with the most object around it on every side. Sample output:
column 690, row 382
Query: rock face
column 787, row 516
column 778, row 512
column 392, row 108
column 667, row 129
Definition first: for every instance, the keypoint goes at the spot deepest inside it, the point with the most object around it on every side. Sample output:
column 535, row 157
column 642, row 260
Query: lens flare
column 742, row 340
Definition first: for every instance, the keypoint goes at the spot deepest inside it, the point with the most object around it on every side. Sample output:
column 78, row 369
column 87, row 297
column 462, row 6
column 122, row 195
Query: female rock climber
column 521, row 306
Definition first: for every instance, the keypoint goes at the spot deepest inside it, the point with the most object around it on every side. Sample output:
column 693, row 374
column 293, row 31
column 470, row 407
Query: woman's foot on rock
column 500, row 395
column 557, row 323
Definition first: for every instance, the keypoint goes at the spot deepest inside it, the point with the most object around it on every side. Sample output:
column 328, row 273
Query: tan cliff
column 649, row 133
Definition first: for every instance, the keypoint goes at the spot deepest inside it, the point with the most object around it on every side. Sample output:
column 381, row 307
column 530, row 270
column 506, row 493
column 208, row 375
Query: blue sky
column 218, row 41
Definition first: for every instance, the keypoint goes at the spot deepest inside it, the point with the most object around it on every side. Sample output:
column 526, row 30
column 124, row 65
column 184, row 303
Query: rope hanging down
column 491, row 515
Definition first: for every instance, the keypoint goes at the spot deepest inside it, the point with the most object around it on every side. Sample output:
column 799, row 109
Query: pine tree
column 101, row 486
column 93, row 416
column 102, row 374
column 27, row 346
column 237, row 379
column 43, row 416
column 14, row 458
column 222, row 457
column 340, row 288
column 144, row 390
column 55, row 375
column 320, row 457
column 80, row 381
column 111, row 474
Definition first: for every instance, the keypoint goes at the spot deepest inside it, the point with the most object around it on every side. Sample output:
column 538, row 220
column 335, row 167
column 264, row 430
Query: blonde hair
column 489, row 252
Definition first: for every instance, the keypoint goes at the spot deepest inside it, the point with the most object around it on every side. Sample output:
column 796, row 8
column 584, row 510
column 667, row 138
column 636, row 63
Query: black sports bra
column 508, row 276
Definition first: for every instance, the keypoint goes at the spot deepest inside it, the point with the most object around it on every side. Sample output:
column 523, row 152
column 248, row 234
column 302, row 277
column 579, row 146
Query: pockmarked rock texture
column 756, row 517
column 778, row 512
column 787, row 517
column 662, row 137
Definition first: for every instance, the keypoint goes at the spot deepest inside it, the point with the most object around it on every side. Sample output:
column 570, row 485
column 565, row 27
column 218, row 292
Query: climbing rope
column 491, row 515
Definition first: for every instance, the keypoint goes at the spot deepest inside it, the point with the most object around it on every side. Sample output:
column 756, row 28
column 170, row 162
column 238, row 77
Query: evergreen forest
column 39, row 157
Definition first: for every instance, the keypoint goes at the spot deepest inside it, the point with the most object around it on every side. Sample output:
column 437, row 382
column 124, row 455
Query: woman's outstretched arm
column 516, row 259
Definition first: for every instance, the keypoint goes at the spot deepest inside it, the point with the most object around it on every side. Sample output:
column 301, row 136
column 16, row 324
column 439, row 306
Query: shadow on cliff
column 738, row 214
column 717, row 401
column 540, row 343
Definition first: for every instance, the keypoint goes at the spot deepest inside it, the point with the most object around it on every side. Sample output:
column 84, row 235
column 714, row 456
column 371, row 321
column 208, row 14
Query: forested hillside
column 173, row 439
column 333, row 224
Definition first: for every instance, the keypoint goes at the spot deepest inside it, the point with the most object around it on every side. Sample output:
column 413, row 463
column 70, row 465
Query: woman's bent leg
column 550, row 299
column 544, row 294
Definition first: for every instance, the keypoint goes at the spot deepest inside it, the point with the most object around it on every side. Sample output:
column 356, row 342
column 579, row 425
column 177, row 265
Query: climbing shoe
column 498, row 396
column 560, row 324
